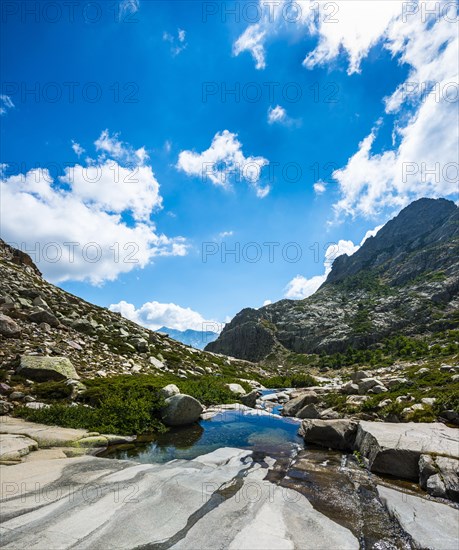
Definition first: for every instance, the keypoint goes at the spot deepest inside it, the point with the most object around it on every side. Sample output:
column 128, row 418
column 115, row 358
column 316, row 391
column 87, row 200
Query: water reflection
column 259, row 432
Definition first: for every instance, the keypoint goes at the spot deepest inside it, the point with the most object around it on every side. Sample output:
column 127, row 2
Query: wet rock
column 181, row 410
column 250, row 400
column 334, row 434
column 8, row 327
column 46, row 368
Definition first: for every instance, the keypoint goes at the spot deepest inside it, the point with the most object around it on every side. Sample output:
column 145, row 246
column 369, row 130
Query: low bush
column 290, row 381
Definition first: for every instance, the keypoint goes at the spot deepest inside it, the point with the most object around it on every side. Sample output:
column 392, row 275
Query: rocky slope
column 40, row 319
column 404, row 280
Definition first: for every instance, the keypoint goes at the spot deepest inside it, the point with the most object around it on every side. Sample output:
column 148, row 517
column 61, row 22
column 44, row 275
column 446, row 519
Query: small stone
column 16, row 395
column 5, row 407
column 8, row 327
column 4, row 388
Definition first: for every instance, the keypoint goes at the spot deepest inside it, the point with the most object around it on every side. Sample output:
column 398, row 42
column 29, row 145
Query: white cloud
column 319, row 187
column 111, row 146
column 87, row 205
column 77, row 148
column 154, row 315
column 224, row 162
column 128, row 7
column 225, row 234
column 5, row 104
column 267, row 303
column 301, row 287
column 177, row 42
column 423, row 37
column 252, row 40
column 425, row 162
column 277, row 114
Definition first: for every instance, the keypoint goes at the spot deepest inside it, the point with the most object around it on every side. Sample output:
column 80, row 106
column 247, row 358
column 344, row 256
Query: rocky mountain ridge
column 404, row 280
column 40, row 319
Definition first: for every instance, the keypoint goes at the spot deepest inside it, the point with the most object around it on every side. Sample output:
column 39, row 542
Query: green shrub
column 290, row 381
column 52, row 390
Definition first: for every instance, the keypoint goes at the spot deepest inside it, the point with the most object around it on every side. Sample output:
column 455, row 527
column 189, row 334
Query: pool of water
column 267, row 434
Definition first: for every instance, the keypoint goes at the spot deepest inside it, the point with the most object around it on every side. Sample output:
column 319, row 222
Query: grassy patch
column 290, row 381
column 126, row 404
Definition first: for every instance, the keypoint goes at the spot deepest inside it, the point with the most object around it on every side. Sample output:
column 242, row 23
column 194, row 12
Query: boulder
column 8, row 327
column 250, row 400
column 367, row 383
column 395, row 449
column 438, row 475
column 349, row 388
column 335, row 434
column 360, row 375
column 395, row 382
column 140, row 344
column 330, row 414
column 309, row 411
column 169, row 391
column 14, row 447
column 44, row 316
column 236, row 389
column 46, row 368
column 5, row 407
column 295, row 405
column 180, row 410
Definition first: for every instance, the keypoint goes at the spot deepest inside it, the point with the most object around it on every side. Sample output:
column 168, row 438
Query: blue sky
column 130, row 138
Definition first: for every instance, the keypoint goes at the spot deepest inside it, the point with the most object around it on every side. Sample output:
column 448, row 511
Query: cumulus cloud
column 154, row 315
column 424, row 161
column 301, row 287
column 276, row 114
column 5, row 104
column 420, row 35
column 224, row 162
column 319, row 187
column 78, row 150
column 92, row 223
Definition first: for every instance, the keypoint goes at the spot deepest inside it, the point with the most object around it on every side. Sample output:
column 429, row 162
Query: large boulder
column 334, row 434
column 169, row 391
column 8, row 327
column 439, row 476
column 395, row 449
column 367, row 383
column 44, row 316
column 309, row 411
column 359, row 375
column 237, row 389
column 180, row 410
column 295, row 405
column 43, row 369
column 250, row 400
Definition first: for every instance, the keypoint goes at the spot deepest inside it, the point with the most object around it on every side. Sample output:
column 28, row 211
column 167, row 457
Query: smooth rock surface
column 432, row 525
column 46, row 368
column 395, row 449
column 180, row 410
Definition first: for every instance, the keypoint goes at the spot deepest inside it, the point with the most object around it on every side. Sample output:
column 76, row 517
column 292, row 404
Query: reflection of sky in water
column 257, row 432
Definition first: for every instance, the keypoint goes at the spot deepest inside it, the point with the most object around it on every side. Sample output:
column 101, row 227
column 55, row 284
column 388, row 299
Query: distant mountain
column 404, row 280
column 195, row 338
